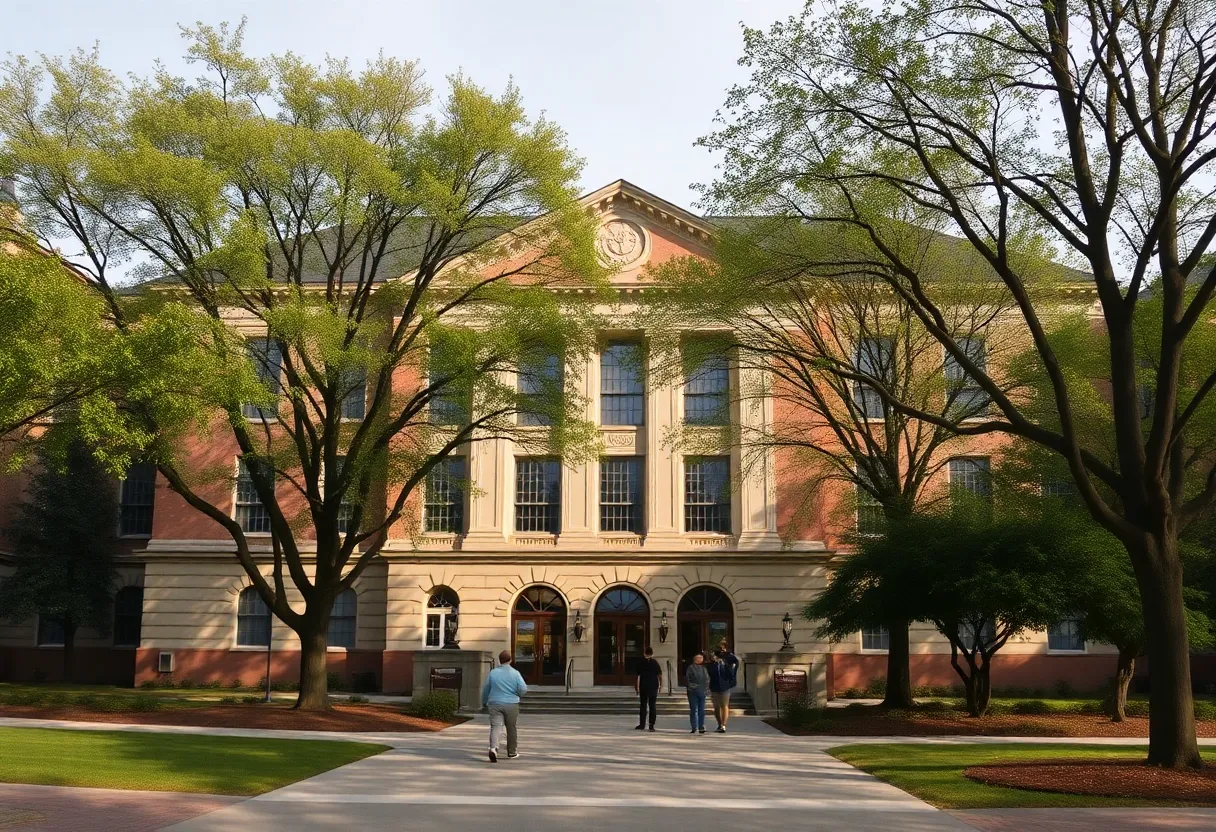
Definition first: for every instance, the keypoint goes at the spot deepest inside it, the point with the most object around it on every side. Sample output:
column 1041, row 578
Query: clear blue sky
column 633, row 82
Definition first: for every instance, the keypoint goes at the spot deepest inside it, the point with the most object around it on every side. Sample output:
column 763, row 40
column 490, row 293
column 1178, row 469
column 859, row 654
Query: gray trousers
column 504, row 716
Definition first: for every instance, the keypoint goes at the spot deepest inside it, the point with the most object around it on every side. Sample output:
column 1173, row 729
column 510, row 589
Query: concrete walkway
column 584, row 772
column 590, row 773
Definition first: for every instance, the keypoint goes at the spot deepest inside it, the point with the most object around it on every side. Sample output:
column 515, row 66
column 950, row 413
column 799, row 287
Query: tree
column 339, row 282
column 792, row 306
column 1029, row 129
column 64, row 544
column 979, row 580
column 54, row 346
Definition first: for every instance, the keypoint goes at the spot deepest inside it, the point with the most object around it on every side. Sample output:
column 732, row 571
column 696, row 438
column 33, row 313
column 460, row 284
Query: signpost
column 448, row 678
column 790, row 680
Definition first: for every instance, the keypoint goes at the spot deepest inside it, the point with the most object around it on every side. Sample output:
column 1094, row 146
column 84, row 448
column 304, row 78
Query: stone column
column 579, row 524
column 663, row 467
column 757, row 516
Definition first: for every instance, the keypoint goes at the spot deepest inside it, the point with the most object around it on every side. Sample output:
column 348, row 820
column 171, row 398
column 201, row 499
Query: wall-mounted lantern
column 787, row 629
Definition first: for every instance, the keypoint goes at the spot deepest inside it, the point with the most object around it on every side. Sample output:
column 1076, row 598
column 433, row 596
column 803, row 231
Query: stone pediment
column 638, row 229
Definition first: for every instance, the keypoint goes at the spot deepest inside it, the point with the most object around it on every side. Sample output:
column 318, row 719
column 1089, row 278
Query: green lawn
column 935, row 772
column 167, row 762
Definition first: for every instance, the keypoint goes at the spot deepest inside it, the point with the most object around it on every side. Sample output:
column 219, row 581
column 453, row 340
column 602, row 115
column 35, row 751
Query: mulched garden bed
column 1103, row 778
column 877, row 722
column 339, row 718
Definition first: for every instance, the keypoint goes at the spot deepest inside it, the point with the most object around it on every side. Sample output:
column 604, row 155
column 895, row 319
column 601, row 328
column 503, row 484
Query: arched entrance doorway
column 704, row 618
column 622, row 631
column 538, row 636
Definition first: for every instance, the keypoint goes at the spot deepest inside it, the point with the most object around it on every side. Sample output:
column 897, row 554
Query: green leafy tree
column 54, row 345
column 1030, row 130
column 64, row 547
column 332, row 277
column 796, row 312
column 979, row 579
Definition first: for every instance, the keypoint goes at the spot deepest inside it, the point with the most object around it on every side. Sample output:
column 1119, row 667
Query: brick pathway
column 45, row 808
column 1087, row 820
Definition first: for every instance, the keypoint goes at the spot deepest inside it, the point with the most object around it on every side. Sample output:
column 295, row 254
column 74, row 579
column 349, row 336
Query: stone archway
column 622, row 632
column 538, row 635
column 704, row 618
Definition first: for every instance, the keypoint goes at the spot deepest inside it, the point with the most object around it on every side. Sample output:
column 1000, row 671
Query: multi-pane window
column 346, row 509
column 267, row 361
column 967, row 398
column 50, row 630
column 353, row 389
column 621, row 388
column 442, row 611
column 970, row 475
column 966, row 634
column 707, row 392
column 250, row 512
column 128, row 616
column 872, row 356
column 875, row 638
column 449, row 399
column 342, row 620
column 1066, row 635
column 252, row 619
column 1059, row 489
column 538, row 495
column 539, row 385
column 869, row 512
column 621, row 494
column 443, row 510
column 707, row 494
column 136, row 496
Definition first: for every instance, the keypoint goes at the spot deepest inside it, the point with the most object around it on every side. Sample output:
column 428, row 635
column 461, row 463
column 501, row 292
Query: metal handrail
column 743, row 670
column 569, row 675
column 669, row 677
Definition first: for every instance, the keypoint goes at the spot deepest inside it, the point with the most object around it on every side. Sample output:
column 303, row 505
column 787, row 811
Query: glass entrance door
column 619, row 642
column 524, row 649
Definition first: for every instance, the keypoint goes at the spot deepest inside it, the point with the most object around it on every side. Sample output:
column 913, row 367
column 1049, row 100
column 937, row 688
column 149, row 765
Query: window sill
column 248, row 648
column 331, row 649
column 49, row 646
column 1059, row 652
column 869, row 651
column 134, row 537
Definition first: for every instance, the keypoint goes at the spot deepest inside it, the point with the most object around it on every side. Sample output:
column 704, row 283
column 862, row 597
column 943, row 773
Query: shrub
column 853, row 693
column 335, row 680
column 186, row 683
column 1205, row 710
column 235, row 684
column 229, row 700
column 1030, row 706
column 148, row 684
column 877, row 687
column 1065, row 690
column 253, row 699
column 800, row 711
column 356, row 699
column 440, row 705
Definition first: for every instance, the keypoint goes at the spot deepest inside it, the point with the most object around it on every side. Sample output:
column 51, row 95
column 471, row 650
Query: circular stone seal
column 620, row 243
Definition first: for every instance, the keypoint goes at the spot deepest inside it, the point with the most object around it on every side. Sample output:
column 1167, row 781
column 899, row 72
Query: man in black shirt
column 650, row 679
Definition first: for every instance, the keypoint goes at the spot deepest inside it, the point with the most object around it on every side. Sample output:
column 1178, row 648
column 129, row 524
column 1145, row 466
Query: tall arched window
column 442, row 618
column 252, row 619
column 128, row 614
column 343, row 619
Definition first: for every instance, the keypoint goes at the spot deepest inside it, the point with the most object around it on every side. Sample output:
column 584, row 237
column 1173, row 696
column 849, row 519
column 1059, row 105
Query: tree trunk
column 69, row 650
column 983, row 685
column 314, row 679
column 1171, row 709
column 899, row 676
column 1123, row 677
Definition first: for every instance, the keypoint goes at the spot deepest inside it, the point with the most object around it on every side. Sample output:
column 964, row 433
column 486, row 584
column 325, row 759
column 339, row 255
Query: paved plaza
column 575, row 772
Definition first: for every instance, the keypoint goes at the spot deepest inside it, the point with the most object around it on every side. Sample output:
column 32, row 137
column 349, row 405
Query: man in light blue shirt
column 500, row 694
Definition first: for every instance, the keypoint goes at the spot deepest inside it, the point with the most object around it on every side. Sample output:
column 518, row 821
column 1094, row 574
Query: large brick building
column 574, row 568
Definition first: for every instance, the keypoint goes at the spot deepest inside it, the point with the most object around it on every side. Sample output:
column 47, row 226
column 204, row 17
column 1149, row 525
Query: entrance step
column 622, row 701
